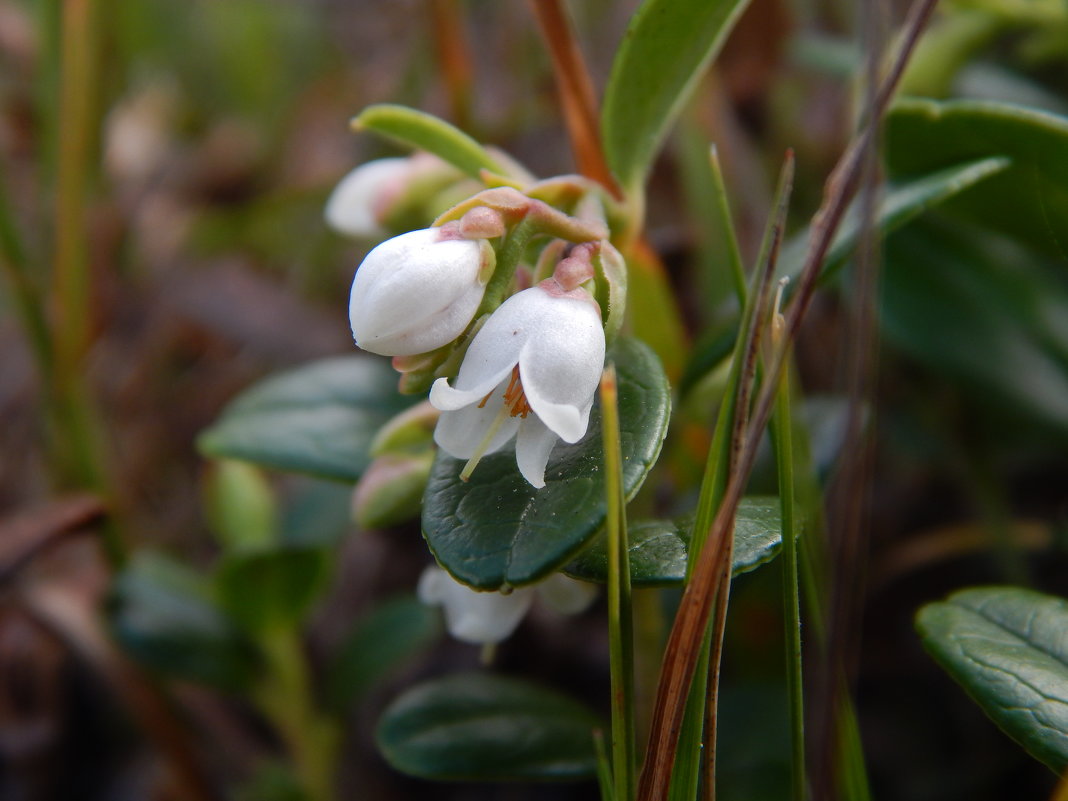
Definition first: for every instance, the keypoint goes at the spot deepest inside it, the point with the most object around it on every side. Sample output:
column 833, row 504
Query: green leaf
column 984, row 312
column 163, row 616
column 496, row 529
column 318, row 419
column 488, row 728
column 423, row 131
column 1007, row 648
column 389, row 636
column 902, row 203
column 271, row 589
column 1029, row 200
column 658, row 548
column 666, row 48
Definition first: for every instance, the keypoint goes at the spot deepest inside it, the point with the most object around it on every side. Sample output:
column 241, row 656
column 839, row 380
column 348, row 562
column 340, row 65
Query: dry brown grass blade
column 696, row 605
column 31, row 532
column 453, row 57
column 576, row 92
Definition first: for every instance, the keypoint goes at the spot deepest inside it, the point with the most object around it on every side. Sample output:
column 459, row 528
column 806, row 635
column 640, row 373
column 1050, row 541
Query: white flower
column 355, row 206
column 531, row 372
column 481, row 618
column 418, row 291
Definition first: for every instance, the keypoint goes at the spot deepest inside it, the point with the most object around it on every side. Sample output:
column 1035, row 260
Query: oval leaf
column 485, row 727
column 902, row 202
column 1007, row 648
column 318, row 419
column 666, row 48
column 658, row 548
column 162, row 615
column 983, row 311
column 1029, row 200
column 423, row 131
column 497, row 530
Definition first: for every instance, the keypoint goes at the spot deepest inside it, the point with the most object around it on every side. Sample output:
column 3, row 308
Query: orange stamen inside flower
column 514, row 397
column 515, row 405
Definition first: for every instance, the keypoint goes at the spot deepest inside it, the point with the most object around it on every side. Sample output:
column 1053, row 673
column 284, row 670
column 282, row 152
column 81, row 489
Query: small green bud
column 390, row 490
column 240, row 506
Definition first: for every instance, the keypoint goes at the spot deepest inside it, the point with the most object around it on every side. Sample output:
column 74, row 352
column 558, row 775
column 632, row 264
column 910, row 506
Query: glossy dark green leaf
column 982, row 312
column 318, row 419
column 1029, row 200
column 485, row 727
column 390, row 635
column 496, row 529
column 271, row 589
column 163, row 616
column 666, row 48
column 658, row 548
column 423, row 131
column 1008, row 648
column 903, row 202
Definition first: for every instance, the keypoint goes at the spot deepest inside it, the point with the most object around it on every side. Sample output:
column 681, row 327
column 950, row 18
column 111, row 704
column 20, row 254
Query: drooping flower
column 531, row 372
column 392, row 195
column 356, row 205
column 418, row 291
column 483, row 618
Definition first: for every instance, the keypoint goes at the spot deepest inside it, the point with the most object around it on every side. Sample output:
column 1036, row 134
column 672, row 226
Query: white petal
column 561, row 366
column 471, row 616
column 447, row 398
column 565, row 595
column 533, row 445
column 415, row 292
column 460, row 432
column 351, row 206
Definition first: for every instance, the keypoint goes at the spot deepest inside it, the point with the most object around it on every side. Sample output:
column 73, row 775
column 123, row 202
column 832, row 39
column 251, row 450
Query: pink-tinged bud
column 390, row 490
column 482, row 223
column 418, row 291
column 356, row 206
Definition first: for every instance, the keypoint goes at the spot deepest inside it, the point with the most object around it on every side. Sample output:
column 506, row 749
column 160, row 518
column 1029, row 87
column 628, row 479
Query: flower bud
column 354, row 207
column 393, row 195
column 390, row 489
column 418, row 291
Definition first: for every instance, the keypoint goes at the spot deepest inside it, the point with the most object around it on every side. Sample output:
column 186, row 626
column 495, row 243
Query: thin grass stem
column 620, row 623
column 782, row 436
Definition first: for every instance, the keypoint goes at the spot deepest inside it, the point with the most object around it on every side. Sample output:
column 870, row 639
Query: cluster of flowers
column 530, row 365
column 510, row 351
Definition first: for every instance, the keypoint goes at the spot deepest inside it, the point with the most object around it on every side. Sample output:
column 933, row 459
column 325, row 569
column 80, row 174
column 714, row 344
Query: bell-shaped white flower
column 531, row 372
column 485, row 618
column 418, row 291
column 356, row 205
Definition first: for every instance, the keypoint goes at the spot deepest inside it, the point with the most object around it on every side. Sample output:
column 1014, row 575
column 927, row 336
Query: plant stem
column 71, row 276
column 726, row 225
column 76, row 443
column 286, row 699
column 454, row 59
column 508, row 258
column 604, row 767
column 576, row 92
column 782, row 436
column 620, row 624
